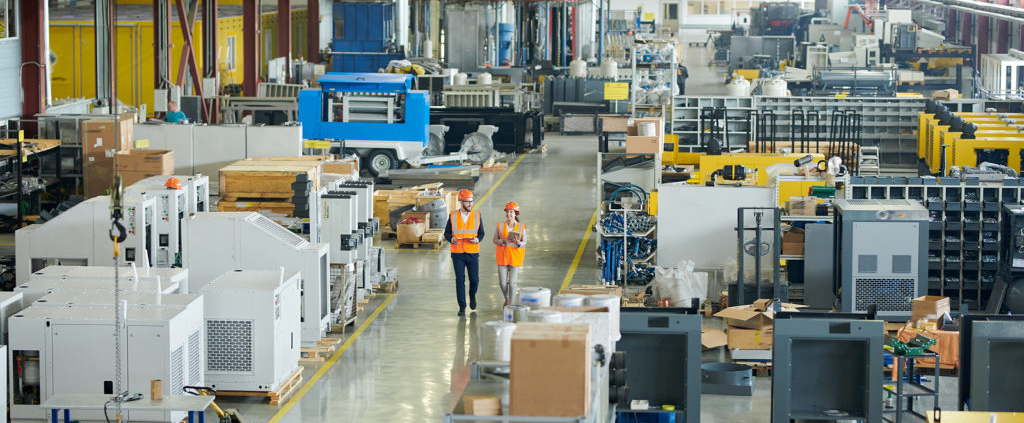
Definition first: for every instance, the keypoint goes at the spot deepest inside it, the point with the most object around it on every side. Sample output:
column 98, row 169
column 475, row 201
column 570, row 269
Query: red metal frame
column 188, row 53
column 284, row 32
column 33, row 77
column 313, row 31
column 250, row 47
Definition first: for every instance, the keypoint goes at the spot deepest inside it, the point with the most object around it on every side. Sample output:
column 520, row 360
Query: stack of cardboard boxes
column 639, row 144
column 749, row 328
column 107, row 146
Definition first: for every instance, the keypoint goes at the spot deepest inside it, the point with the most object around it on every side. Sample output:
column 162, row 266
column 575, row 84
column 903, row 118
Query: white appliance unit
column 219, row 242
column 10, row 303
column 167, row 136
column 366, row 221
column 80, row 236
column 105, row 299
column 70, row 350
column 168, row 276
column 339, row 228
column 171, row 206
column 252, row 329
column 196, row 186
column 34, row 290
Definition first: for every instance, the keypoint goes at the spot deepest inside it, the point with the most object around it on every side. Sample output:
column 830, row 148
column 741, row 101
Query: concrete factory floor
column 408, row 357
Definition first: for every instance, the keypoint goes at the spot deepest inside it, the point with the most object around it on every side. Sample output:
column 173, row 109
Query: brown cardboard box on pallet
column 98, row 175
column 410, row 232
column 550, row 370
column 102, row 138
column 929, row 307
column 750, row 339
column 793, row 241
column 422, row 216
column 754, row 316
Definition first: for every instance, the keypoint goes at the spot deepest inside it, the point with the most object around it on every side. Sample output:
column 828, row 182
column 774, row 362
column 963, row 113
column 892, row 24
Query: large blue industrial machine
column 377, row 115
column 364, row 37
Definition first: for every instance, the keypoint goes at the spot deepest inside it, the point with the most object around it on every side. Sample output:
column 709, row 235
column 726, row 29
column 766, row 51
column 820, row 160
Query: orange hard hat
column 465, row 194
column 173, row 183
column 511, row 205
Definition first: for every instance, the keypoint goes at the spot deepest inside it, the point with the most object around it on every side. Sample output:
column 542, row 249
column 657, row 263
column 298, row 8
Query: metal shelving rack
column 910, row 390
column 686, row 120
column 657, row 69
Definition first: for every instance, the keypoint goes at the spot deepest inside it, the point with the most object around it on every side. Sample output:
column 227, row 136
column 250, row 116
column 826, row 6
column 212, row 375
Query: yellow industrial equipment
column 796, row 188
column 74, row 72
column 672, row 156
column 966, row 139
column 759, row 161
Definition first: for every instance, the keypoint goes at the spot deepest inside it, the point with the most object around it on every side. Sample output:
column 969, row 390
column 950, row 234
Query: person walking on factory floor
column 509, row 250
column 464, row 231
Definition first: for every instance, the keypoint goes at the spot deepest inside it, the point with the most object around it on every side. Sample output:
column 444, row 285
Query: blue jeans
column 466, row 262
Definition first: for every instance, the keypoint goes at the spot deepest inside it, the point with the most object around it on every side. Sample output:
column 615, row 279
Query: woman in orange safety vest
column 509, row 250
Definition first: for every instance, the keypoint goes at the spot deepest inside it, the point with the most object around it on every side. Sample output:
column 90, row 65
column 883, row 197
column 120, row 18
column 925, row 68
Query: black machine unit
column 774, row 19
column 517, row 132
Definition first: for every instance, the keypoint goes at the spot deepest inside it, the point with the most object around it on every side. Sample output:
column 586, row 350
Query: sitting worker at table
column 173, row 114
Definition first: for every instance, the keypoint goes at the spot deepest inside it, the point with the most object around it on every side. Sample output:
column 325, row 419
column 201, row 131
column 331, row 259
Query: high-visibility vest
column 465, row 231
column 510, row 255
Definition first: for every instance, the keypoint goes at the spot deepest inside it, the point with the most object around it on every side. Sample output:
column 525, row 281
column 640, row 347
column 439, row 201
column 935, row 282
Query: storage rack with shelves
column 963, row 235
column 653, row 64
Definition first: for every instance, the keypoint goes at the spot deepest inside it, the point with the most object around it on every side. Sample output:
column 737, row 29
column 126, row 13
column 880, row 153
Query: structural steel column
column 250, row 47
column 34, row 59
column 106, row 60
column 313, row 31
column 284, row 33
column 161, row 43
column 210, row 55
column 188, row 53
column 951, row 28
column 1002, row 32
column 983, row 35
column 966, row 37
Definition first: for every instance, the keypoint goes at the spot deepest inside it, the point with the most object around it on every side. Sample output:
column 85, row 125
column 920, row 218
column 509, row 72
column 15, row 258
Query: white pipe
column 990, row 10
column 159, row 291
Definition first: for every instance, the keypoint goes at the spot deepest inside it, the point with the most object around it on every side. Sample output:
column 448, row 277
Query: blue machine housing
column 315, row 126
column 363, row 37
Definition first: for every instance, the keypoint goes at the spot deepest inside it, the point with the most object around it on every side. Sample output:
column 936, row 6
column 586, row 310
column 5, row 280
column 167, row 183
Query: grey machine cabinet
column 881, row 255
column 663, row 357
column 991, row 375
column 823, row 365
column 819, row 291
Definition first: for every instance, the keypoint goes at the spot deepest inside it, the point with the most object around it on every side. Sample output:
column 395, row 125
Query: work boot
column 462, row 312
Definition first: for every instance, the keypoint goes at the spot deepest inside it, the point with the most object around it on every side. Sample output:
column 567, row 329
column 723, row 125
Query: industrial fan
column 478, row 145
column 435, row 144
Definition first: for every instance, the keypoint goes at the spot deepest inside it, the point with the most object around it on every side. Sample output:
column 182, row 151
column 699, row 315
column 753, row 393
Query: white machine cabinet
column 171, row 207
column 168, row 276
column 10, row 303
column 70, row 350
column 339, row 226
column 196, row 186
column 220, row 242
column 80, row 236
column 168, row 136
column 252, row 328
column 34, row 290
column 273, row 141
column 216, row 146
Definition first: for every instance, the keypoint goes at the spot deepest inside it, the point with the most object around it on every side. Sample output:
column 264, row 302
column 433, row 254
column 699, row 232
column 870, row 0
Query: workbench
column 195, row 405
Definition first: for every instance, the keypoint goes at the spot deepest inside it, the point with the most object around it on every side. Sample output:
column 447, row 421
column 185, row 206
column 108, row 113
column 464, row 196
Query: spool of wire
column 544, row 316
column 496, row 341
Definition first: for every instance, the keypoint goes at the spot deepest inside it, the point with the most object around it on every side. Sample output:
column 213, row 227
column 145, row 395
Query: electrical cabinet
column 220, row 242
column 170, row 210
column 70, row 350
column 80, row 236
column 252, row 329
column 339, row 226
column 216, row 146
column 10, row 303
column 168, row 136
column 34, row 290
column 196, row 186
column 881, row 255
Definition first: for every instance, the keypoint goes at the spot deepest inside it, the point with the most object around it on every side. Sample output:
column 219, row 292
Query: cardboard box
column 156, row 162
column 592, row 290
column 712, row 338
column 928, row 307
column 614, row 124
column 946, row 94
column 603, row 330
column 793, row 241
column 481, row 405
column 643, row 145
column 422, row 216
column 106, row 137
column 749, row 317
column 750, row 339
column 550, row 370
column 156, row 389
column 98, row 175
column 659, row 125
column 410, row 232
column 802, row 206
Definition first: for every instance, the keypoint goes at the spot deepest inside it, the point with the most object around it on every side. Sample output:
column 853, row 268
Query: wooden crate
column 285, row 207
column 266, row 178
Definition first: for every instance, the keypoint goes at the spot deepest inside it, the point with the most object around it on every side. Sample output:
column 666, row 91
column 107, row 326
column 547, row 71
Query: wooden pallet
column 256, row 196
column 386, row 234
column 317, row 354
column 418, row 245
column 761, row 368
column 340, row 327
column 389, row 287
column 282, row 393
column 284, row 207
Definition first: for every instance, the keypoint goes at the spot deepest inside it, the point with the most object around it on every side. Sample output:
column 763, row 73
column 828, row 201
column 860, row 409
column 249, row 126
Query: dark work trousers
column 466, row 262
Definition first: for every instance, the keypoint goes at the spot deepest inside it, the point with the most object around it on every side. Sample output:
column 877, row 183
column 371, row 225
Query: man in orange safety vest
column 464, row 231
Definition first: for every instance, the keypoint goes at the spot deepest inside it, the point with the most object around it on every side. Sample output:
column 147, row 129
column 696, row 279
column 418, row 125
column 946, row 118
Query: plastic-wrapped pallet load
column 496, row 341
column 613, row 303
column 568, row 300
column 535, row 297
column 544, row 316
column 516, row 313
